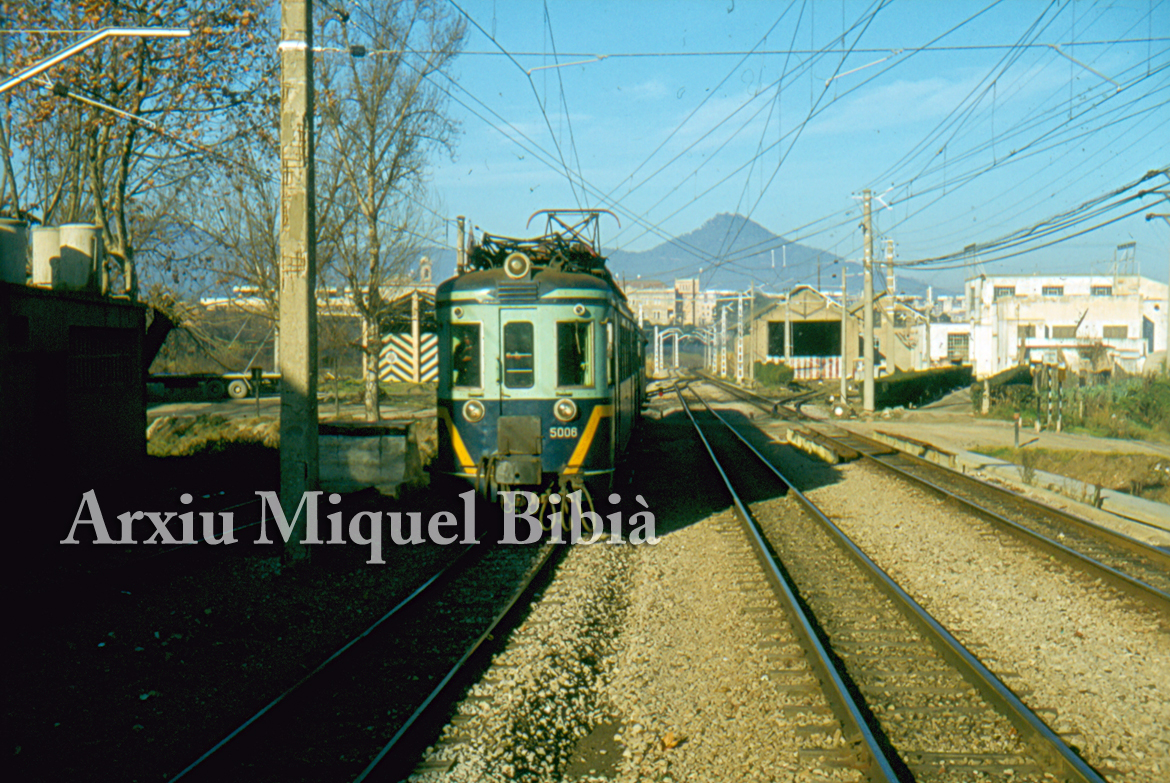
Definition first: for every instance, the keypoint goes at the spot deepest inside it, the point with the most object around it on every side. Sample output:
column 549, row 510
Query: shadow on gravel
column 674, row 474
column 805, row 472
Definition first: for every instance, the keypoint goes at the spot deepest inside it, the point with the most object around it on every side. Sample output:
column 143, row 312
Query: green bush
column 1131, row 408
column 1122, row 408
column 773, row 374
column 919, row 388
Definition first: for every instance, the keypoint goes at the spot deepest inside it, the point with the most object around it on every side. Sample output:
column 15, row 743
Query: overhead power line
column 601, row 56
column 1024, row 238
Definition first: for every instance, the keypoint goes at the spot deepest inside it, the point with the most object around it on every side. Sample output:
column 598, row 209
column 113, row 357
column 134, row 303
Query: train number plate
column 562, row 432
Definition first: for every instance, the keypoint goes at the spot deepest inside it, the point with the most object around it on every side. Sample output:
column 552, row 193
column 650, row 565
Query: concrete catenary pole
column 888, row 331
column 891, row 283
column 739, row 339
column 867, row 402
column 723, row 342
column 461, row 246
column 751, row 334
column 1166, row 357
column 844, row 334
column 298, row 270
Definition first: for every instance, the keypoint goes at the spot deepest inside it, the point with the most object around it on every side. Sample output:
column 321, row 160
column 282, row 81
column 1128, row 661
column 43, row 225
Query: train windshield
column 465, row 355
column 574, row 353
column 518, row 355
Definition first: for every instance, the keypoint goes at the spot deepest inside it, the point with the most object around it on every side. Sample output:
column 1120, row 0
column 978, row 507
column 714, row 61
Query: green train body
column 541, row 368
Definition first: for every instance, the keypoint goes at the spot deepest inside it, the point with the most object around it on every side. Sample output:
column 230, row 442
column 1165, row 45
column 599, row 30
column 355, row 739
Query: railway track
column 927, row 708
column 369, row 707
column 1135, row 568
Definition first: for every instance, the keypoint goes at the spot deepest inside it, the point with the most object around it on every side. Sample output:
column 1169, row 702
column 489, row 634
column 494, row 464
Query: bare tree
column 130, row 118
column 383, row 114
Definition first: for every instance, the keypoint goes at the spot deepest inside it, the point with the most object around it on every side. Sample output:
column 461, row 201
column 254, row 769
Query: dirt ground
column 1133, row 466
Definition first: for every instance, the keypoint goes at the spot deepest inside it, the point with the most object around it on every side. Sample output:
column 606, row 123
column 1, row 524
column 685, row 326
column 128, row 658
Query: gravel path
column 669, row 662
column 708, row 659
column 1094, row 664
column 542, row 696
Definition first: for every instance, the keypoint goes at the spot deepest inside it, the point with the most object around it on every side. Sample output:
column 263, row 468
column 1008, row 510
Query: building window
column 775, row 338
column 1115, row 332
column 1064, row 332
column 574, row 351
column 519, row 367
column 102, row 358
column 1026, row 331
column 1004, row 292
column 958, row 347
column 1101, row 290
column 1052, row 290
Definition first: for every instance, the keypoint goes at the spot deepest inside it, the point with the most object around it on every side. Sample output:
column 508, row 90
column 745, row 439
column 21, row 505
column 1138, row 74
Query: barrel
column 81, row 256
column 46, row 248
column 13, row 251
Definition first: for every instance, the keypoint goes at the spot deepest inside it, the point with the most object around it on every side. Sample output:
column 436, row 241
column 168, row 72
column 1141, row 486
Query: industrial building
column 803, row 330
column 1083, row 322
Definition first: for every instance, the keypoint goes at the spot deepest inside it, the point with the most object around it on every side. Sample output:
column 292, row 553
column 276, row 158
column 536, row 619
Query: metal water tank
column 13, row 251
column 81, row 256
column 46, row 248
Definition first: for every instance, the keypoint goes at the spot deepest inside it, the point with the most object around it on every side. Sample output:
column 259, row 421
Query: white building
column 946, row 343
column 1091, row 322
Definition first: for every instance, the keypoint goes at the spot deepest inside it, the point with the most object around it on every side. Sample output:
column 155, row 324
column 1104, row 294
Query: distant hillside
column 755, row 255
column 751, row 249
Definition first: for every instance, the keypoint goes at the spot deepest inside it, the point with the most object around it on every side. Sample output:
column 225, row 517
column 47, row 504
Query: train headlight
column 565, row 410
column 473, row 410
column 517, row 266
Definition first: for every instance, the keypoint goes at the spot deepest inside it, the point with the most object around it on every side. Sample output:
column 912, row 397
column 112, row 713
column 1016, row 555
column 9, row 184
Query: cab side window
column 465, row 352
column 610, row 357
column 575, row 353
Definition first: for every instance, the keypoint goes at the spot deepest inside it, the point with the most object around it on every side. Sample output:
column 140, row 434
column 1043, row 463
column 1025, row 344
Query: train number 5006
column 562, row 432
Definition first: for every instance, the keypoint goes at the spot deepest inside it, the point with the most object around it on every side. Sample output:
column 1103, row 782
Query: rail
column 1047, row 747
column 1131, row 566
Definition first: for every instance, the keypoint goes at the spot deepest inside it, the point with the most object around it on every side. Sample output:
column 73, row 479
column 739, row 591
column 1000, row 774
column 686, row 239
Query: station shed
column 803, row 331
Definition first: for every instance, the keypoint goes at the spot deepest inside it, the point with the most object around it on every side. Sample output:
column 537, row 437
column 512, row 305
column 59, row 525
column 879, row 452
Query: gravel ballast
column 1094, row 663
column 690, row 672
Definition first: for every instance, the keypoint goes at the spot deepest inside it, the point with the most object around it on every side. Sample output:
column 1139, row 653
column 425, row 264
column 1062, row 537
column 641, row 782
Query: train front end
column 524, row 401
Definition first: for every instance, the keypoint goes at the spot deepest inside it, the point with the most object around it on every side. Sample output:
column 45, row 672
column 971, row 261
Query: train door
column 611, row 385
column 516, row 364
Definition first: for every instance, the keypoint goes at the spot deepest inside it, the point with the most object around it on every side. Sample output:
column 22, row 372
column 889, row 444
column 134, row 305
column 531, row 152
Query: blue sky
column 785, row 111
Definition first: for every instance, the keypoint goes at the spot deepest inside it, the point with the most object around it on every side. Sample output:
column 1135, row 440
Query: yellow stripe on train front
column 599, row 413
column 457, row 442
